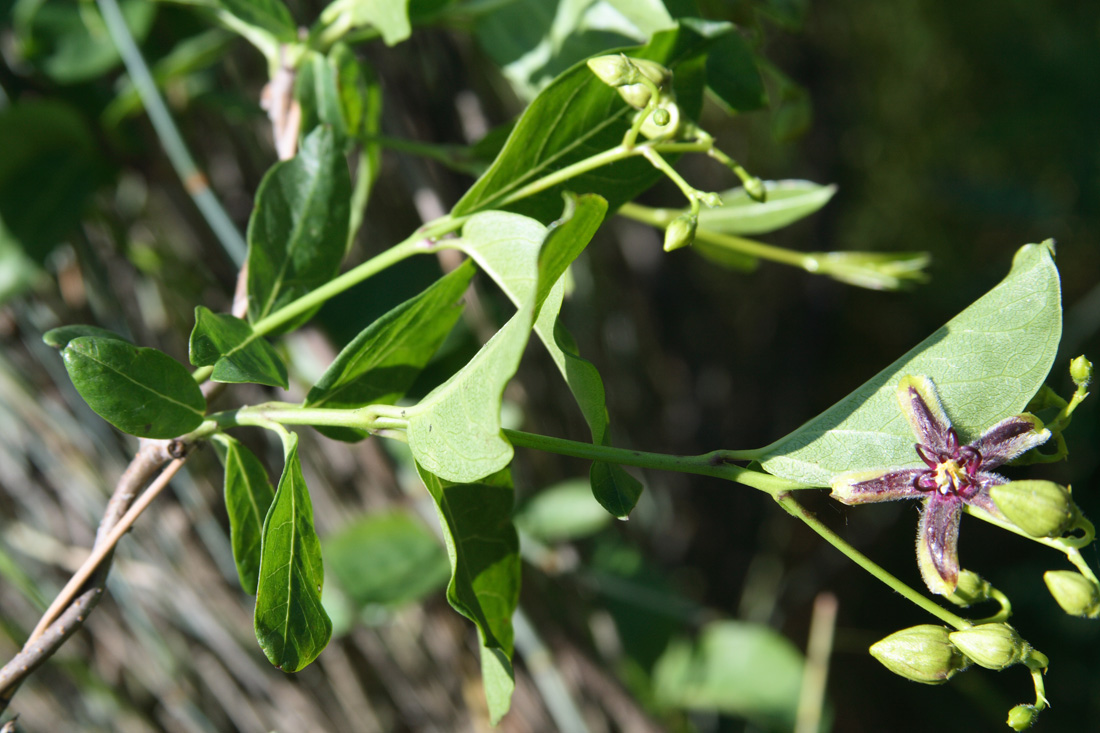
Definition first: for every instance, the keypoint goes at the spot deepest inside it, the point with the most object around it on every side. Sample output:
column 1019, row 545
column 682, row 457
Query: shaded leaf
column 248, row 496
column 140, row 391
column 987, row 363
column 388, row 559
column 298, row 230
column 578, row 116
column 485, row 564
column 733, row 668
column 291, row 625
column 733, row 77
column 237, row 355
column 383, row 361
column 787, row 202
column 389, row 17
column 318, row 94
column 60, row 337
column 565, row 511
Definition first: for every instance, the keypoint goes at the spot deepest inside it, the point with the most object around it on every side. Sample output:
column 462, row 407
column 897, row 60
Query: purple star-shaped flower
column 953, row 475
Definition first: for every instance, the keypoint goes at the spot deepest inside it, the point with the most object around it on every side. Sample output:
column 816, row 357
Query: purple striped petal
column 864, row 487
column 921, row 405
column 1009, row 438
column 938, row 543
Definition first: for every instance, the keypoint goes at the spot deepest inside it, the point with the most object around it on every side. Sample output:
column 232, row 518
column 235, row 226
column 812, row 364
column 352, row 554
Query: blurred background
column 964, row 129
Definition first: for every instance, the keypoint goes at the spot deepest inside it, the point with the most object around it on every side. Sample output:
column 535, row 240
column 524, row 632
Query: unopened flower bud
column 1080, row 370
column 636, row 95
column 661, row 117
column 972, row 588
column 1076, row 594
column 754, row 187
column 1022, row 717
column 996, row 646
column 1040, row 508
column 921, row 653
column 681, row 232
column 614, row 70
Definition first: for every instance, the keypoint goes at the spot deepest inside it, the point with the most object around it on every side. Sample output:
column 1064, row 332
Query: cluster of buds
column 644, row 85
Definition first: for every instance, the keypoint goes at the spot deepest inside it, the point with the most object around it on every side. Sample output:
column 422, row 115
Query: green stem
column 788, row 502
column 709, row 464
column 661, row 218
column 193, row 180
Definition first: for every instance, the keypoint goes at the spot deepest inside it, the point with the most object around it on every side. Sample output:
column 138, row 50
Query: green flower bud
column 1040, row 508
column 996, row 646
column 922, row 653
column 1022, row 717
column 681, row 232
column 636, row 95
column 972, row 588
column 754, row 187
column 1076, row 594
column 652, row 129
column 614, row 70
column 652, row 70
column 1080, row 370
column 661, row 117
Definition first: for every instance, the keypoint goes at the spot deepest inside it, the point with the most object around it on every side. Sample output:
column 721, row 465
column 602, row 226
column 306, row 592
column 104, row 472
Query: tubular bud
column 1022, row 717
column 997, row 646
column 614, row 70
column 1040, row 508
column 681, row 232
column 1080, row 370
column 1076, row 594
column 922, row 653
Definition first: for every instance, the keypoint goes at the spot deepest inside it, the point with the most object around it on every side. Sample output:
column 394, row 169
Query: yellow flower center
column 949, row 477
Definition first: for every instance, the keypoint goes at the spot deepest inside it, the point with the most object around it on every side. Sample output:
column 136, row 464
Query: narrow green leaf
column 248, row 496
column 733, row 668
column 733, row 77
column 987, row 363
column 60, row 337
column 237, row 354
column 140, row 391
column 509, row 266
column 389, row 559
column 298, row 230
column 485, row 565
column 383, row 361
column 270, row 16
column 318, row 93
column 787, row 202
column 291, row 625
column 578, row 116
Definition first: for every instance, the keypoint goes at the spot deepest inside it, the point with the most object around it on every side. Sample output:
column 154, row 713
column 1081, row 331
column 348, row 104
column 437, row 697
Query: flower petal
column 921, row 405
column 938, row 543
column 1009, row 438
column 864, row 487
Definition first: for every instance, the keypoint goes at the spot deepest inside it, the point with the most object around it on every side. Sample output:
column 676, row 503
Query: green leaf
column 733, row 77
column 787, row 202
column 70, row 43
column 236, row 353
column 734, row 668
column 389, row 17
column 298, row 230
column 291, row 625
column 60, row 337
column 248, row 496
column 509, row 267
column 270, row 16
column 140, row 391
column 388, row 559
column 987, row 363
column 383, row 361
column 578, row 116
column 565, row 511
column 45, row 181
column 485, row 565
column 318, row 94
